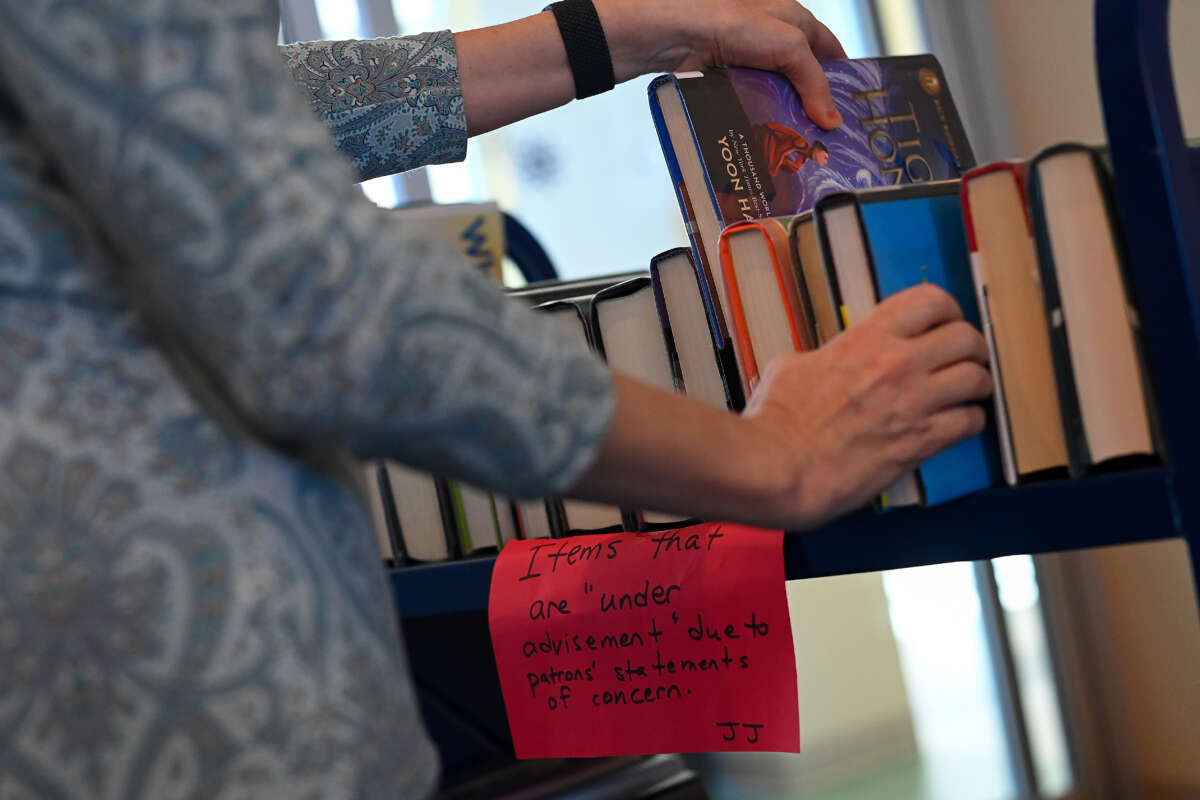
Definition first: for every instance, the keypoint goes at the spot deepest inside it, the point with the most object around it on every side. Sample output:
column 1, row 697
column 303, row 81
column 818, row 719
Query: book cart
column 1158, row 196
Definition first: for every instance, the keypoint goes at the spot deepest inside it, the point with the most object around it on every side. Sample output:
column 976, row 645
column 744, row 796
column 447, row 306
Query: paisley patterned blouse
column 199, row 315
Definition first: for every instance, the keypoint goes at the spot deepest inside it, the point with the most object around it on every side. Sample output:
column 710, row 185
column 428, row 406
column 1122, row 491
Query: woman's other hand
column 876, row 401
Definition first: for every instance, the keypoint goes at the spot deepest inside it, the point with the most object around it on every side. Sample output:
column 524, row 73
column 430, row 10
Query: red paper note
column 674, row 641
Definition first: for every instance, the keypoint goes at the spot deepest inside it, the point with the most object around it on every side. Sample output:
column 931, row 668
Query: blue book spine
column 919, row 239
column 660, row 126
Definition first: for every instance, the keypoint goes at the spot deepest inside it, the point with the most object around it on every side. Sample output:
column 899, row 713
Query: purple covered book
column 739, row 146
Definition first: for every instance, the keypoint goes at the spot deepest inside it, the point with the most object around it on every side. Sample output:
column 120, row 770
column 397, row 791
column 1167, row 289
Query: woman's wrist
column 644, row 38
column 667, row 452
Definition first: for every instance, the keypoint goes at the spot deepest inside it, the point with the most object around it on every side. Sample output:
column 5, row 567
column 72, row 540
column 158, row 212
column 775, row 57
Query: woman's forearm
column 512, row 71
column 520, row 68
column 668, row 452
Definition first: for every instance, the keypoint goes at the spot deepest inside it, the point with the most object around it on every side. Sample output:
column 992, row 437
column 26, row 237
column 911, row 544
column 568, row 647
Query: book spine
column 722, row 343
column 391, row 515
column 1078, row 455
column 910, row 487
column 495, row 521
column 703, row 265
column 1104, row 175
column 825, row 244
column 461, row 529
column 446, row 502
column 631, row 518
column 785, row 280
column 740, row 332
column 664, row 318
column 727, row 364
column 558, row 518
column 702, row 262
column 519, row 520
column 1008, row 458
column 802, row 290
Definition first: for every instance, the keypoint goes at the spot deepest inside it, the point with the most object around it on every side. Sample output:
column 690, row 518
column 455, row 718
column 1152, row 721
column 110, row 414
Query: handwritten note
column 626, row 643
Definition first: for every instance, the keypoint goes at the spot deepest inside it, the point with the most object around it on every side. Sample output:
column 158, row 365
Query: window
column 588, row 179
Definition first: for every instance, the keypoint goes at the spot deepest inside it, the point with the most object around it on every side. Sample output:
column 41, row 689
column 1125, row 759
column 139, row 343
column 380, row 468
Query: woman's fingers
column 964, row 382
column 763, row 41
column 951, row 343
column 914, row 311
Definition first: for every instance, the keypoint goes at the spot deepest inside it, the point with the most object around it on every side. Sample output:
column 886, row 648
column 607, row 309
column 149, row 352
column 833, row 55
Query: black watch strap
column 587, row 47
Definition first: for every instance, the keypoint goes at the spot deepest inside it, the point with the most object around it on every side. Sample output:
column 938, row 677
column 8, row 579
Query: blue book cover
column 916, row 235
column 763, row 157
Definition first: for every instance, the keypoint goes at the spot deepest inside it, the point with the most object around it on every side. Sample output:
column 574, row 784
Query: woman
column 201, row 319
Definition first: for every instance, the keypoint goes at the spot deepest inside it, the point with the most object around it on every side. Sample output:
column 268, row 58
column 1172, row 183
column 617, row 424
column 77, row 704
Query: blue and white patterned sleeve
column 328, row 321
column 392, row 103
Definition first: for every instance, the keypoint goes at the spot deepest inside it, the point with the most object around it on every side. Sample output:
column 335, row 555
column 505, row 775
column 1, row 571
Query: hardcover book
column 767, row 317
column 739, row 146
column 1104, row 389
column 904, row 237
column 707, row 369
column 420, row 512
column 476, row 523
column 628, row 331
column 1005, row 270
column 382, row 514
column 916, row 237
column 816, row 293
column 573, row 316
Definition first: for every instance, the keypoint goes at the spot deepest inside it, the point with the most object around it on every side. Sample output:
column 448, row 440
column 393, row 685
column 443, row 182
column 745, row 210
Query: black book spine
column 391, row 516
column 722, row 345
column 557, row 516
column 810, row 316
column 727, row 364
column 507, row 505
column 660, row 306
column 826, row 247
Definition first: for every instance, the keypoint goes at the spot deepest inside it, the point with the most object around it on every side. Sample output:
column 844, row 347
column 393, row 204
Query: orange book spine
column 785, row 276
column 776, row 237
column 738, row 332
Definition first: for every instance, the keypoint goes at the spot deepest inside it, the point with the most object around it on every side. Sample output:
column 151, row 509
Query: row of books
column 421, row 517
column 798, row 233
column 1044, row 278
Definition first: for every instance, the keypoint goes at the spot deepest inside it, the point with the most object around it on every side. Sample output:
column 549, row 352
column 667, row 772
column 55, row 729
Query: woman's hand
column 679, row 35
column 877, row 400
column 824, row 432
